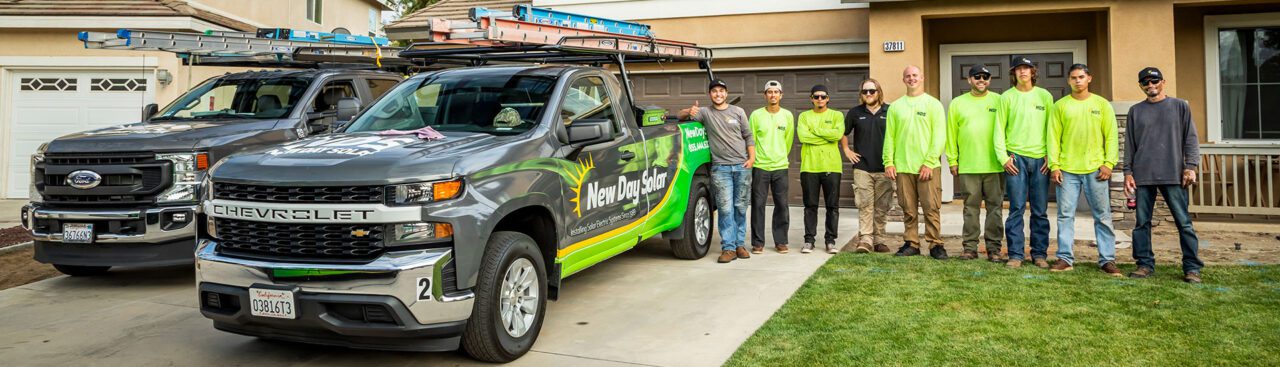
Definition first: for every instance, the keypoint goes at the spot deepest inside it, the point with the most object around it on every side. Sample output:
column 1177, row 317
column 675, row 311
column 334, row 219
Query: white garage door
column 49, row 104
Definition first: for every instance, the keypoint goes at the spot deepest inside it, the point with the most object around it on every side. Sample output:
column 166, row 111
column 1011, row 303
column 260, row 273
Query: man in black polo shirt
column 865, row 128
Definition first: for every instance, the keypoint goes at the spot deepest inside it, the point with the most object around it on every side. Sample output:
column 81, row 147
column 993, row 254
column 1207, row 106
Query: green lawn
column 875, row 310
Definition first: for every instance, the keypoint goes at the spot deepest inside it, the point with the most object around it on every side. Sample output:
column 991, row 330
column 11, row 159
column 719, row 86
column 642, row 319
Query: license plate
column 77, row 233
column 272, row 303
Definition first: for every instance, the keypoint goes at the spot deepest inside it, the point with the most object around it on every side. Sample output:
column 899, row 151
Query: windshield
column 250, row 98
column 498, row 102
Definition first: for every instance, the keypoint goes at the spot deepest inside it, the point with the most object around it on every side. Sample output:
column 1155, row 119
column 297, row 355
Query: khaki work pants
column 873, row 194
column 982, row 188
column 914, row 195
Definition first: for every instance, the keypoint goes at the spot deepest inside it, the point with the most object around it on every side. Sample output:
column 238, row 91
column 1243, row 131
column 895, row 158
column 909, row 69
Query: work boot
column 743, row 253
column 1142, row 273
column 808, row 247
column 1013, row 263
column 863, row 248
column 1111, row 269
column 1060, row 266
column 938, row 252
column 782, row 249
column 727, row 256
column 968, row 255
column 880, row 247
column 831, row 248
column 1191, row 277
column 1041, row 263
column 907, row 250
column 757, row 249
column 995, row 257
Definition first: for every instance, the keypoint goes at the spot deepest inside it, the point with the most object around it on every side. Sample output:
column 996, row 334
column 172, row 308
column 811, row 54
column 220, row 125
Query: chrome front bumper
column 153, row 231
column 395, row 274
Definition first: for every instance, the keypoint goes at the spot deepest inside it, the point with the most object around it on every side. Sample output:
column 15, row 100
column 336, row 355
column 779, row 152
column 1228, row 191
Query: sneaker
column 808, row 247
column 881, row 248
column 1142, row 273
column 1041, row 263
column 968, row 255
column 907, row 250
column 938, row 252
column 757, row 249
column 1111, row 269
column 742, row 253
column 1191, row 277
column 782, row 249
column 831, row 248
column 863, row 248
column 1061, row 266
column 1013, row 263
column 995, row 257
column 727, row 256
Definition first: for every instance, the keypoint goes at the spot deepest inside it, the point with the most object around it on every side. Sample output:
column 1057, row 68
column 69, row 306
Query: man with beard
column 733, row 152
column 971, row 128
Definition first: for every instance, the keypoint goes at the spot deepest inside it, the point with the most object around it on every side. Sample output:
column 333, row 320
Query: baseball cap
column 1020, row 61
column 1149, row 72
column 979, row 69
column 773, row 84
column 819, row 88
column 718, row 83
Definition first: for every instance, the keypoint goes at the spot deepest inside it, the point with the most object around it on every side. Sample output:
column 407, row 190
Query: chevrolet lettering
column 290, row 214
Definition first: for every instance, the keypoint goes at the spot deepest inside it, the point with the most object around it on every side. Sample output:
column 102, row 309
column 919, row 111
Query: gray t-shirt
column 728, row 134
column 1160, row 142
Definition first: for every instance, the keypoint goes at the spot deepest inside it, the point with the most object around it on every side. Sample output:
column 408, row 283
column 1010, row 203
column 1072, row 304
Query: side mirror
column 149, row 111
column 590, row 131
column 348, row 108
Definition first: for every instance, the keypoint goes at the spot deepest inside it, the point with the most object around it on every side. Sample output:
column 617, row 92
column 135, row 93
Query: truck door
column 604, row 192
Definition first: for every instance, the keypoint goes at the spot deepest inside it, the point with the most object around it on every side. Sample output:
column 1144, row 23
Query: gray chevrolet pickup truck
column 127, row 195
column 447, row 214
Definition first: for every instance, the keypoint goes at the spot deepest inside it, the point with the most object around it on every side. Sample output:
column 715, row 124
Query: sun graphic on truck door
column 577, row 178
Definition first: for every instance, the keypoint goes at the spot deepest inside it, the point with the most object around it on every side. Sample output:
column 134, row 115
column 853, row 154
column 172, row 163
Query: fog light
column 408, row 233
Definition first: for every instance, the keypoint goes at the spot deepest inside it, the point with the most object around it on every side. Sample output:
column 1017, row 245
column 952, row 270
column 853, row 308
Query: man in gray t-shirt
column 733, row 151
column 1161, row 154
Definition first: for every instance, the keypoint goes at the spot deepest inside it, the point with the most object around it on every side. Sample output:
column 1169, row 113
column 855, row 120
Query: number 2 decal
column 424, row 289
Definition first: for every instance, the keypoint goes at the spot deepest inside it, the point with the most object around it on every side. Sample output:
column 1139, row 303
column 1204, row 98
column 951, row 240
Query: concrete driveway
column 642, row 308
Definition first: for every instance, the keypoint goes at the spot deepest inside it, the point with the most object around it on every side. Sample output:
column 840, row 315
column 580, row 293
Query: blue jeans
column 1176, row 197
column 733, row 191
column 1033, row 185
column 1099, row 196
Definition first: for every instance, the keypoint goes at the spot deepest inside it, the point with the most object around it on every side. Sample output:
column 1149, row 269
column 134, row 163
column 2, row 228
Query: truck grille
column 299, row 194
column 298, row 242
column 127, row 178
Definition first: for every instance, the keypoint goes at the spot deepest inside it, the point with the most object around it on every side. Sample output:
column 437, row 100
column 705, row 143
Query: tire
column 699, row 222
column 81, row 271
column 490, row 336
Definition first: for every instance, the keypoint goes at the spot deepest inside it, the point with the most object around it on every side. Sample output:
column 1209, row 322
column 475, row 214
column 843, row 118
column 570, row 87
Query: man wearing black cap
column 819, row 129
column 971, row 126
column 1161, row 154
column 733, row 152
column 1021, row 144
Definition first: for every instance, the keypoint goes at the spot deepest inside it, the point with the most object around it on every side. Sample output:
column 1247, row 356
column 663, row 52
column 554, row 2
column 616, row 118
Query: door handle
column 627, row 156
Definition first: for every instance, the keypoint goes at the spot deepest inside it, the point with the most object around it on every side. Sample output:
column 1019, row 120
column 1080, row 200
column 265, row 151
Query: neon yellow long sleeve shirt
column 916, row 134
column 1082, row 135
column 774, row 134
column 819, row 133
column 971, row 130
column 1026, row 120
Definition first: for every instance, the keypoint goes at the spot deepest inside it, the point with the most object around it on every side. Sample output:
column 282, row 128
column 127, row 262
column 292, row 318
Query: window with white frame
column 315, row 10
column 1243, row 54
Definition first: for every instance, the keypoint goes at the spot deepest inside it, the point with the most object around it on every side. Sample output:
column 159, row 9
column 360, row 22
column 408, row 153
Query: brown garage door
column 674, row 91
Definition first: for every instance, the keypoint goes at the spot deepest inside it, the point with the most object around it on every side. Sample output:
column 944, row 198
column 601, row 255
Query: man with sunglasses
column 1020, row 144
column 733, row 152
column 820, row 129
column 864, row 126
column 916, row 134
column 1083, row 149
column 774, row 130
column 1162, row 140
column 971, row 126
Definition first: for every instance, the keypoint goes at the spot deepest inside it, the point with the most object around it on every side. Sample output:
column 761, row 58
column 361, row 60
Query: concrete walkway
column 642, row 308
column 10, row 212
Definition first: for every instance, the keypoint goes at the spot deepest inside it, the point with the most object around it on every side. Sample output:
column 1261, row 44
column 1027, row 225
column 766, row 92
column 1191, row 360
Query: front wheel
column 511, row 299
column 698, row 219
column 81, row 271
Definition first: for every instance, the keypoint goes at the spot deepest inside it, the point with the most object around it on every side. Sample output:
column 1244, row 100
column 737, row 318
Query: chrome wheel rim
column 518, row 298
column 702, row 220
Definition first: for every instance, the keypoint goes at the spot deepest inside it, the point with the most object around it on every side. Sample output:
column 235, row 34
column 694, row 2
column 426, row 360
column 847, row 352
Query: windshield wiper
column 223, row 115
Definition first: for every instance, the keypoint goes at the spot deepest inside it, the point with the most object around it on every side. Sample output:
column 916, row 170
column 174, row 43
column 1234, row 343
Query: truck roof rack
column 271, row 47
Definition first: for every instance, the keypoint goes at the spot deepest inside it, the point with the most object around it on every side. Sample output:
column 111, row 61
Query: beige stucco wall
column 350, row 14
column 828, row 25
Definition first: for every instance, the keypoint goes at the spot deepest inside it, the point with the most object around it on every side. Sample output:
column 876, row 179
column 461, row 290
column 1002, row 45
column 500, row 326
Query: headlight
column 412, row 233
column 188, row 171
column 36, row 159
column 423, row 192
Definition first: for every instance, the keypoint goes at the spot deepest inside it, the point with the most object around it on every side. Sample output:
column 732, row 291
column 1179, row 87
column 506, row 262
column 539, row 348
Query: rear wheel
column 698, row 223
column 81, row 271
column 511, row 299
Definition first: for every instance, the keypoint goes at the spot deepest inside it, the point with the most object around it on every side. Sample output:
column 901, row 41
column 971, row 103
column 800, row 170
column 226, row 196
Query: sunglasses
column 819, row 97
column 1150, row 82
column 870, row 91
column 981, row 77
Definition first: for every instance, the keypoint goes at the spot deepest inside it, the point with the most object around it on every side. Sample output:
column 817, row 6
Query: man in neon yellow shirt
column 915, row 138
column 971, row 127
column 1082, row 151
column 1024, row 112
column 819, row 130
column 774, row 129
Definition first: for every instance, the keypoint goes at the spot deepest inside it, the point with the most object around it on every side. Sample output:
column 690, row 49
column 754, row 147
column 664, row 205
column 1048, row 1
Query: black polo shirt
column 866, row 133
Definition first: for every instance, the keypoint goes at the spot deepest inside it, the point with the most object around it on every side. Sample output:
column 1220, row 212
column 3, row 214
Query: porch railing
column 1237, row 180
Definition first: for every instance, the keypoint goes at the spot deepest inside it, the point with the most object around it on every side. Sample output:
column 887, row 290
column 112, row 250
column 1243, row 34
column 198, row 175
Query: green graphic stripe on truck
column 667, row 214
